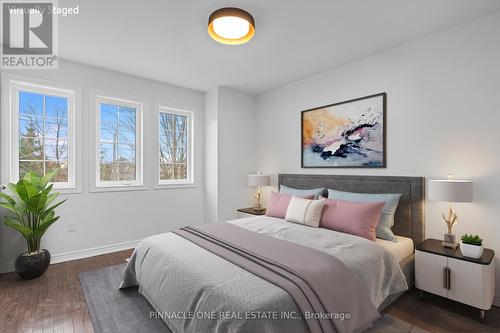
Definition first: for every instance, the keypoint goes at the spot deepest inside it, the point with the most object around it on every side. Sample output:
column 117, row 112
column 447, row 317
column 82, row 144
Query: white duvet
column 376, row 268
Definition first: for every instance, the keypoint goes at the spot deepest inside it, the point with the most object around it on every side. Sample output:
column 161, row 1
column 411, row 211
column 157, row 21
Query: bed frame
column 409, row 217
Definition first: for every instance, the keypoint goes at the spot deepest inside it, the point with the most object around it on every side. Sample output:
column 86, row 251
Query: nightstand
column 249, row 212
column 447, row 273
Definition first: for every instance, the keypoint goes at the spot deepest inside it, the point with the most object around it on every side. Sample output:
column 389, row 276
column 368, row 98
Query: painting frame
column 384, row 135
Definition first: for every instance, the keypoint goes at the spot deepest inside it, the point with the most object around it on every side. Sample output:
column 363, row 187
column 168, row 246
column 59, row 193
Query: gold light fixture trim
column 231, row 26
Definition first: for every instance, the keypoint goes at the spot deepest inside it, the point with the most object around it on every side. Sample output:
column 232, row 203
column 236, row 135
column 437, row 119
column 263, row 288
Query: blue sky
column 53, row 104
column 117, row 119
column 31, row 111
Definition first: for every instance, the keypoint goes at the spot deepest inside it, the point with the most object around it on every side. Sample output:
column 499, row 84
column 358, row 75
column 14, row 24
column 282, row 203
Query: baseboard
column 78, row 254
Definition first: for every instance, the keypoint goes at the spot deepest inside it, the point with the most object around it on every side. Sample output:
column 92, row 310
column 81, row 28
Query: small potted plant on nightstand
column 471, row 246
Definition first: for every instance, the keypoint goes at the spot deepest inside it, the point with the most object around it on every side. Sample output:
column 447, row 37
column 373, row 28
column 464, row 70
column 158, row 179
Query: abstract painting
column 349, row 134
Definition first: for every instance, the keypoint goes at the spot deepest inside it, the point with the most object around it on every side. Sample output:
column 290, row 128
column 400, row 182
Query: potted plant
column 32, row 204
column 472, row 246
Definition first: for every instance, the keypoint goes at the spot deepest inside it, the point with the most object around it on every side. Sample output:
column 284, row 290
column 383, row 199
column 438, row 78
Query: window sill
column 118, row 188
column 175, row 186
column 62, row 191
column 68, row 190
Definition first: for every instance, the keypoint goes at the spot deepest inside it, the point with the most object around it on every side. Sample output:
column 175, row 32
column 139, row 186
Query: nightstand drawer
column 430, row 273
column 466, row 282
column 471, row 283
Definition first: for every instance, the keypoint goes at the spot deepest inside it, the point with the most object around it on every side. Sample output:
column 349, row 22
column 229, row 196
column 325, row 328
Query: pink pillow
column 356, row 218
column 278, row 204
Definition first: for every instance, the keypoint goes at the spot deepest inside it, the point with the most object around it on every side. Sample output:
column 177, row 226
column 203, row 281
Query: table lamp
column 450, row 190
column 259, row 180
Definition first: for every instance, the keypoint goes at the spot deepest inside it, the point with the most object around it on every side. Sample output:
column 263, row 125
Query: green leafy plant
column 472, row 240
column 32, row 206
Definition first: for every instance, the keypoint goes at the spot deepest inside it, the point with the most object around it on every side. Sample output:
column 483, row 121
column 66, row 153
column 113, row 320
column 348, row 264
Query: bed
column 196, row 290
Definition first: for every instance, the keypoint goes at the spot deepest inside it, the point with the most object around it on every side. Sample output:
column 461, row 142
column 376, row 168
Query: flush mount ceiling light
column 232, row 26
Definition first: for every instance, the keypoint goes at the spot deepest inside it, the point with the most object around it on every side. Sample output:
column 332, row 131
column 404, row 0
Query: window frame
column 138, row 183
column 52, row 89
column 190, row 180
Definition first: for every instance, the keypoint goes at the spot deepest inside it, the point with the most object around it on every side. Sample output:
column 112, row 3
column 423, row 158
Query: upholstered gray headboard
column 409, row 218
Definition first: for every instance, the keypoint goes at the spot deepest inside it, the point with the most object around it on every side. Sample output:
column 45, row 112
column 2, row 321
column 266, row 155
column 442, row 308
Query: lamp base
column 259, row 209
column 449, row 245
column 449, row 241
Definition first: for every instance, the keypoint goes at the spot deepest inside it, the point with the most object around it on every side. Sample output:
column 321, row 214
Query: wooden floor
column 438, row 314
column 55, row 303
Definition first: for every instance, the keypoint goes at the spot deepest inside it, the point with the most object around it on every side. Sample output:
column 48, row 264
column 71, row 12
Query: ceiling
column 167, row 40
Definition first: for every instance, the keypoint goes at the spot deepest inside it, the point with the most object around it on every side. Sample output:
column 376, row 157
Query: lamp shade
column 259, row 180
column 450, row 190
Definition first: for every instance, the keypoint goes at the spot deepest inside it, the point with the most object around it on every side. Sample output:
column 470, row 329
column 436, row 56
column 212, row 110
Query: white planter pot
column 471, row 251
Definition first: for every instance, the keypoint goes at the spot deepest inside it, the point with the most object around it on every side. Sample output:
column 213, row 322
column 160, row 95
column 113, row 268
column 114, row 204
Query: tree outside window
column 43, row 135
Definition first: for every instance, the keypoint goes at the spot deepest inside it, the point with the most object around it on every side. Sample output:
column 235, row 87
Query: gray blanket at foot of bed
column 305, row 273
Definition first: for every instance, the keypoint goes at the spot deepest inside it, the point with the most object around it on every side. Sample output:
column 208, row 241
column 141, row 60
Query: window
column 175, row 146
column 119, row 157
column 43, row 130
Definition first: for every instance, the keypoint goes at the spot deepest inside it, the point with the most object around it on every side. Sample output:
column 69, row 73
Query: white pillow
column 304, row 211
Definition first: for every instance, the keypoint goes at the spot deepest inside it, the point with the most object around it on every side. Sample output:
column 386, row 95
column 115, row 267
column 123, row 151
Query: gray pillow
column 386, row 219
column 317, row 192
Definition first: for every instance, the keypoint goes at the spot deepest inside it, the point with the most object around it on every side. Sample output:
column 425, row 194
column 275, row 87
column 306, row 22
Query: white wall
column 116, row 217
column 443, row 116
column 211, row 156
column 236, row 152
column 230, row 152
